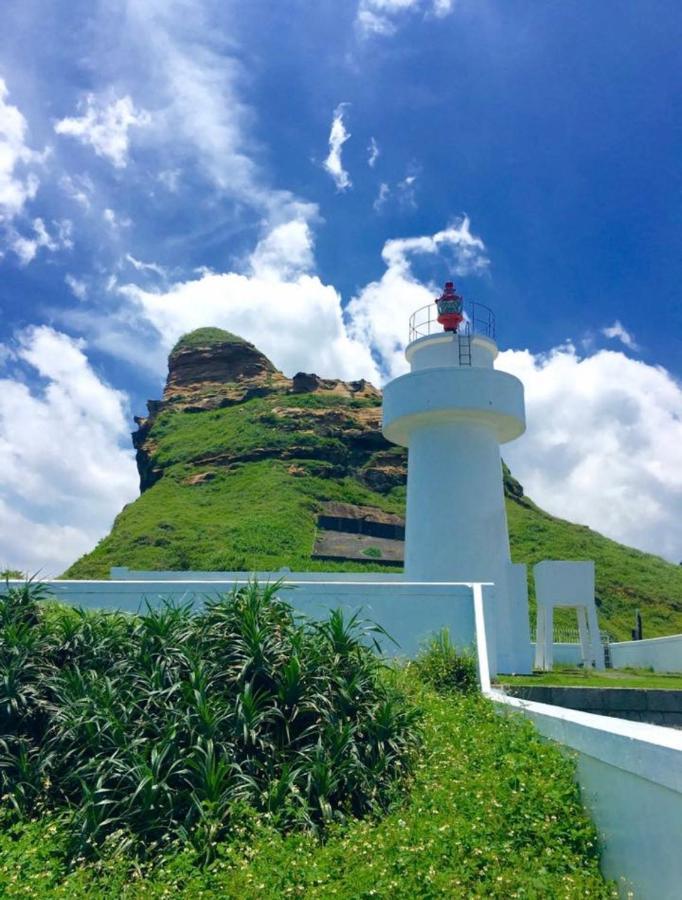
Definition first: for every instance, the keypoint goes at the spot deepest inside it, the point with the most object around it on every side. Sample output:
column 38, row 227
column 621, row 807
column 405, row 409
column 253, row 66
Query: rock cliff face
column 212, row 370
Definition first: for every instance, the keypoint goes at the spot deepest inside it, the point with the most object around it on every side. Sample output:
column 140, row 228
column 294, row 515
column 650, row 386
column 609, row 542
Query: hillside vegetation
column 236, row 460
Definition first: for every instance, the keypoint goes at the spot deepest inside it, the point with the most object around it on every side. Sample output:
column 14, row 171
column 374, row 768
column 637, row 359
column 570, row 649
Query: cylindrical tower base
column 456, row 527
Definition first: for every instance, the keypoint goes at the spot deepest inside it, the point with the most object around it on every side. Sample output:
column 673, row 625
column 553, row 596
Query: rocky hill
column 242, row 468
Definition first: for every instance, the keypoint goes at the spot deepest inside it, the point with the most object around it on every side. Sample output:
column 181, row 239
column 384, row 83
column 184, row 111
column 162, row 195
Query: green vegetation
column 133, row 790
column 264, row 473
column 204, row 337
column 144, row 730
column 372, row 553
column 615, row 678
column 444, row 668
column 8, row 574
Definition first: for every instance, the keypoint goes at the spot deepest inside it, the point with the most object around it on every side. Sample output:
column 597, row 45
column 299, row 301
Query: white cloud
column 170, row 179
column 379, row 314
column 199, row 110
column 26, row 248
column 442, row 8
column 618, row 332
column 337, row 138
column 379, row 17
column 382, row 197
column 285, row 253
column 104, row 125
column 145, row 266
column 18, row 182
column 77, row 286
column 114, row 220
column 407, row 191
column 79, row 187
column 279, row 305
column 602, row 445
column 63, row 472
column 373, row 153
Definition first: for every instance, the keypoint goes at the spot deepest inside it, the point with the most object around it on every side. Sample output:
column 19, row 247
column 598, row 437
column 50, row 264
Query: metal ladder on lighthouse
column 464, row 349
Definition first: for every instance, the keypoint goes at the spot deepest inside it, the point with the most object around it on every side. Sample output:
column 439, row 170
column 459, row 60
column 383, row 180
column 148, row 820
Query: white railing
column 478, row 319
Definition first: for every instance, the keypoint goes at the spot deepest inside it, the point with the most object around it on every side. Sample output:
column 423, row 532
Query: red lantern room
column 449, row 306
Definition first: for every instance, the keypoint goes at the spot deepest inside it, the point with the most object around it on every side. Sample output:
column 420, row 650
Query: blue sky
column 306, row 175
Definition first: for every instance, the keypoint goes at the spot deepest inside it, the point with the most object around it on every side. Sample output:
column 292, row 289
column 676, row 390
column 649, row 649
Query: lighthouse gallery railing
column 478, row 319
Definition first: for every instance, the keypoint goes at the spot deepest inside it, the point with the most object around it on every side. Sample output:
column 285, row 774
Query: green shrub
column 493, row 811
column 172, row 725
column 442, row 666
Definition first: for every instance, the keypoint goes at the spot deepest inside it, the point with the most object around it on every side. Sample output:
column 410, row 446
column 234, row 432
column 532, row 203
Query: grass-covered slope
column 493, row 812
column 236, row 460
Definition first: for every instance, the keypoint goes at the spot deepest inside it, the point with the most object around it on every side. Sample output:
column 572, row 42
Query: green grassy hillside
column 234, row 468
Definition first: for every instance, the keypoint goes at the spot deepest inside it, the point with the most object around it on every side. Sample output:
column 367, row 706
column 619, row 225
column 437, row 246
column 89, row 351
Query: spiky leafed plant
column 171, row 724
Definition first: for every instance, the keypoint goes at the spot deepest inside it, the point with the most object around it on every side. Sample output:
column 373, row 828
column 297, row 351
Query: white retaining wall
column 630, row 777
column 662, row 654
column 410, row 612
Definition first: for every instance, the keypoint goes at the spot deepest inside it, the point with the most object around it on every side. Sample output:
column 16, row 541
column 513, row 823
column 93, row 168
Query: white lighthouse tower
column 452, row 411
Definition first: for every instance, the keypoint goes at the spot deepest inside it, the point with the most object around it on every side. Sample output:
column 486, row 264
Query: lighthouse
column 452, row 411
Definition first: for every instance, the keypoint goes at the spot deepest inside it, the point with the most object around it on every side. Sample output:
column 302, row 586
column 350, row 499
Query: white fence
column 662, row 654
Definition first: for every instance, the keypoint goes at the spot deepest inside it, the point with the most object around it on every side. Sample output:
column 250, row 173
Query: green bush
column 442, row 666
column 493, row 811
column 176, row 726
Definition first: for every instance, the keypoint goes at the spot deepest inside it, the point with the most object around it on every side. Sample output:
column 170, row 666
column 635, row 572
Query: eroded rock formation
column 338, row 436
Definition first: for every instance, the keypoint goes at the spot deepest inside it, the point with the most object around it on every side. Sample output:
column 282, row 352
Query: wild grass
column 493, row 811
column 445, row 668
column 172, row 727
column 569, row 676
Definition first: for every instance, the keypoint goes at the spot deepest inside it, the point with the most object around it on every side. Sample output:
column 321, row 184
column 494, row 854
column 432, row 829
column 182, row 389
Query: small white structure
column 452, row 411
column 566, row 584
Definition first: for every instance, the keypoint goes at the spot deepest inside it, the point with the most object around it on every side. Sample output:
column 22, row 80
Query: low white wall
column 410, row 612
column 121, row 573
column 662, row 654
column 566, row 654
column 630, row 775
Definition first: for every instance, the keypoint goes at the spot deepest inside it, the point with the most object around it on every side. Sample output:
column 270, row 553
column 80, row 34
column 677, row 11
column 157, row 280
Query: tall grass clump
column 442, row 666
column 146, row 730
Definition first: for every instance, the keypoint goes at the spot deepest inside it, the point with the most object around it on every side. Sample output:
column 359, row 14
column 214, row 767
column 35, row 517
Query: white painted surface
column 473, row 393
column 453, row 419
column 443, row 349
column 562, row 584
column 662, row 654
column 566, row 654
column 409, row 612
column 630, row 776
column 122, row 573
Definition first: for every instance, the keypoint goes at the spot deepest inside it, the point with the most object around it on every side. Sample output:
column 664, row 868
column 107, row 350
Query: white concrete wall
column 443, row 349
column 122, row 573
column 566, row 654
column 630, row 776
column 409, row 612
column 662, row 654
